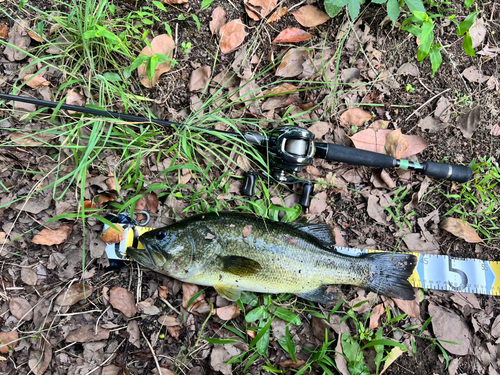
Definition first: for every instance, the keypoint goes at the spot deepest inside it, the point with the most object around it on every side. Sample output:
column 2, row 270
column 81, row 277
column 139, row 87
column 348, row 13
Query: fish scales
column 235, row 252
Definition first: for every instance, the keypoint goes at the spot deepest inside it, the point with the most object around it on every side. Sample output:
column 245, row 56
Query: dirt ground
column 100, row 335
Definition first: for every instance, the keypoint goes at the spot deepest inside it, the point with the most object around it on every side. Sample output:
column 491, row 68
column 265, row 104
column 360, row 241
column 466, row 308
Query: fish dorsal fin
column 322, row 232
column 228, row 292
column 240, row 266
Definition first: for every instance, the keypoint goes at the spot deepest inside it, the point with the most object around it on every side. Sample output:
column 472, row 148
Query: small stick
column 152, row 352
column 426, row 103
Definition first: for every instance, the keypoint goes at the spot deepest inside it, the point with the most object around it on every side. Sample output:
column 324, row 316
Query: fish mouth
column 141, row 256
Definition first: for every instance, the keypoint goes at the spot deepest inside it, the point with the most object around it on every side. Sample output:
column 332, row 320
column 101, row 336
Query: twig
column 169, row 305
column 426, row 103
column 152, row 352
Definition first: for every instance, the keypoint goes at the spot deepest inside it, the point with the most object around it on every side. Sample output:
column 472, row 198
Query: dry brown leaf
column 318, row 203
column 75, row 98
column 21, row 309
column 377, row 312
column 354, row 117
column 134, row 333
column 227, row 312
column 319, row 129
column 460, row 229
column 474, row 75
column 251, row 333
column 88, row 333
column 19, row 38
column 477, row 32
column 163, row 44
column 258, row 9
column 411, row 307
column 290, row 363
column 433, row 125
column 112, row 235
column 372, row 140
column 35, row 36
column 282, row 89
column 163, row 291
column 310, row 16
column 28, row 276
column 232, row 35
column 396, row 144
column 148, row 202
column 75, row 293
column 375, row 210
column 35, row 81
column 174, row 2
column 276, row 16
column 6, row 338
column 49, row 237
column 123, row 300
column 448, row 326
column 106, row 196
column 174, row 331
column 292, row 35
column 218, row 20
column 39, row 361
column 495, row 130
column 4, row 31
column 292, row 63
column 199, row 79
column 469, row 122
column 169, row 321
column 188, row 291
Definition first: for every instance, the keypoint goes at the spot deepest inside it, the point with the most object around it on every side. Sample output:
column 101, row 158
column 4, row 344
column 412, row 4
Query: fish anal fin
column 324, row 294
column 228, row 292
column 322, row 232
column 240, row 266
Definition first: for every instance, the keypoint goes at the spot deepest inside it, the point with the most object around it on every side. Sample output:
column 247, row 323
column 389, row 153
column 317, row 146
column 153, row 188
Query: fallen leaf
column 489, row 51
column 282, row 89
column 469, row 122
column 460, row 229
column 493, row 83
column 54, row 28
column 477, row 32
column 354, row 117
column 448, row 326
column 218, row 20
column 4, row 33
column 35, row 36
column 5, row 339
column 495, row 130
column 88, row 333
column 415, row 242
column 35, row 81
column 318, row 203
column 411, row 307
column 163, row 44
column 21, row 309
column 169, row 321
column 112, row 235
column 443, row 109
column 75, row 293
column 377, row 312
column 188, row 291
column 394, row 354
column 372, row 140
column 292, row 35
column 19, row 38
column 28, row 276
column 292, row 63
column 174, row 331
column 134, row 333
column 26, row 140
column 227, row 312
column 39, row 361
column 319, row 129
column 431, row 124
column 276, row 16
column 147, row 307
column 258, row 9
column 123, row 300
column 49, row 237
column 199, row 79
column 375, row 210
column 396, row 144
column 148, row 202
column 310, row 16
column 163, row 291
column 473, row 75
column 75, row 98
column 232, row 35
column 410, row 69
column 290, row 363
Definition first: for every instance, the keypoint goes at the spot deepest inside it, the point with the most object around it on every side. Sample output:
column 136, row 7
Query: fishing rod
column 290, row 148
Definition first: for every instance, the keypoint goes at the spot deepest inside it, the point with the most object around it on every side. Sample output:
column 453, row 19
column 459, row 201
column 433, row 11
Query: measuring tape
column 440, row 272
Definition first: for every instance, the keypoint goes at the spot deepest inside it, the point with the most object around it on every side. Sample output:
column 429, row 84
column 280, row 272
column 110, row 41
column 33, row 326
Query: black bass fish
column 234, row 252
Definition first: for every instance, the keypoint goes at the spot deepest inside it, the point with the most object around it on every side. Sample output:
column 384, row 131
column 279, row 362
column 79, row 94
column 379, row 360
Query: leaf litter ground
column 72, row 325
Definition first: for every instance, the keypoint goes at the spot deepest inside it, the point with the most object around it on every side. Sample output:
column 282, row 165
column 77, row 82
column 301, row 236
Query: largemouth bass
column 234, row 252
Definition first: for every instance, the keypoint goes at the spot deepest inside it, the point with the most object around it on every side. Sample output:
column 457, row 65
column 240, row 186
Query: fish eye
column 160, row 235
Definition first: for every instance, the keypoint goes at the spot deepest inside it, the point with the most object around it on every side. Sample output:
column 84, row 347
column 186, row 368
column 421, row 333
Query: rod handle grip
column 458, row 173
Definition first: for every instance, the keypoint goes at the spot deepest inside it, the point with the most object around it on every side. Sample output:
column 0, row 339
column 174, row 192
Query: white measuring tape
column 440, row 272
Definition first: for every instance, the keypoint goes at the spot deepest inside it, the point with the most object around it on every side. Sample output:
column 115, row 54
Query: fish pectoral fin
column 240, row 266
column 324, row 294
column 228, row 292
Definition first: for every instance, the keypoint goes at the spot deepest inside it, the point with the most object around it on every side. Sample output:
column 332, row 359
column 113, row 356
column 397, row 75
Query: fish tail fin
column 389, row 274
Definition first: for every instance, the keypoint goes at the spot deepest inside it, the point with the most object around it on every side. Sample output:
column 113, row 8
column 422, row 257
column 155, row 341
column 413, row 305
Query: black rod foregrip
column 349, row 155
column 458, row 173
